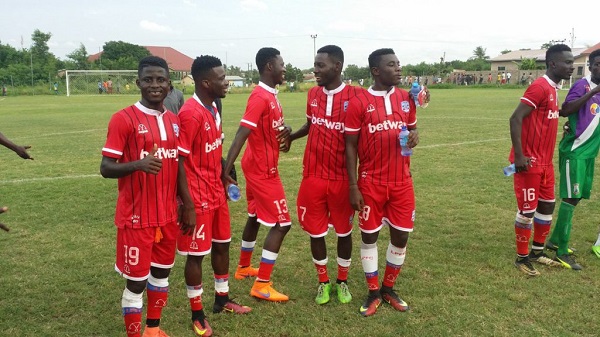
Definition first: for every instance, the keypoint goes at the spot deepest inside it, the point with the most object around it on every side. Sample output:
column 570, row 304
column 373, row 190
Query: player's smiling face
column 278, row 70
column 216, row 83
column 154, row 85
column 390, row 72
column 325, row 70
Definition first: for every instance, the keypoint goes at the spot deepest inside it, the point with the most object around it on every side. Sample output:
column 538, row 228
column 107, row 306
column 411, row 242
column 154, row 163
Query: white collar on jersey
column 555, row 85
column 268, row 88
column 330, row 94
column 589, row 79
column 216, row 116
column 159, row 118
column 386, row 98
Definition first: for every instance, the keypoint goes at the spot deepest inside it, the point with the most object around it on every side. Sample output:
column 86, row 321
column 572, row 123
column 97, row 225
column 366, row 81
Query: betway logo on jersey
column 552, row 114
column 208, row 147
column 339, row 126
column 161, row 153
column 386, row 125
column 277, row 123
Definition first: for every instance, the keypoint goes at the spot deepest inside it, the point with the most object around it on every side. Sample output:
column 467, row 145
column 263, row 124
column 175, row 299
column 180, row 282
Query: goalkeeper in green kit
column 576, row 155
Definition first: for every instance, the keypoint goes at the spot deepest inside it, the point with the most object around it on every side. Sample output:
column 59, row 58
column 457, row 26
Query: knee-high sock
column 158, row 294
column 267, row 262
column 246, row 253
column 369, row 257
column 394, row 261
column 541, row 228
column 563, row 227
column 522, row 234
column 321, row 266
column 132, row 312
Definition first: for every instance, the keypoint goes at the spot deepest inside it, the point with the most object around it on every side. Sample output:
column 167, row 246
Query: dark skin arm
column 356, row 198
column 187, row 211
column 283, row 137
column 413, row 138
column 234, row 151
column 110, row 168
column 516, row 122
column 569, row 108
column 21, row 151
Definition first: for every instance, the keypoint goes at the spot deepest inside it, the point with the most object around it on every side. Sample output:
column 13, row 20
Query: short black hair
column 554, row 50
column 333, row 51
column 375, row 56
column 202, row 65
column 152, row 61
column 593, row 55
column 264, row 56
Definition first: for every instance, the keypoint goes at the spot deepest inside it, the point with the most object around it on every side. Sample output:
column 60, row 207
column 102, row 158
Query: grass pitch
column 57, row 272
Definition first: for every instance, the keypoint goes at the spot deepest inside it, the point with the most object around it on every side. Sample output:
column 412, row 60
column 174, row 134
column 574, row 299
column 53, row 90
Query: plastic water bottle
column 403, row 138
column 509, row 170
column 233, row 191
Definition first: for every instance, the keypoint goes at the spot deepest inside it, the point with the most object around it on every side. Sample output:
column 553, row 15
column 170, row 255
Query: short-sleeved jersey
column 377, row 117
column 263, row 116
column 145, row 200
column 324, row 155
column 200, row 142
column 538, row 131
column 583, row 141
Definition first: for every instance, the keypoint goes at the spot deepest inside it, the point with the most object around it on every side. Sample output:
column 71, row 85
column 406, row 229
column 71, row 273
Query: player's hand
column 522, row 163
column 187, row 219
column 3, row 226
column 227, row 180
column 151, row 164
column 22, row 152
column 413, row 138
column 566, row 129
column 356, row 198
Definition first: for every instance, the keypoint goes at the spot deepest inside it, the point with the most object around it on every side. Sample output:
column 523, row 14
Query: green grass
column 57, row 272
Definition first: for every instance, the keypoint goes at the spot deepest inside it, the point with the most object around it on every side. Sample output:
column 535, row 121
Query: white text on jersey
column 386, row 125
column 339, row 126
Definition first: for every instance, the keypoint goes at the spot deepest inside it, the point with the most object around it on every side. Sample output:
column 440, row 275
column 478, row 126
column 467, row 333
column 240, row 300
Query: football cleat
column 245, row 272
column 596, row 250
column 542, row 258
column 343, row 292
column 553, row 247
column 323, row 293
column 525, row 266
column 265, row 291
column 568, row 262
column 154, row 332
column 231, row 306
column 390, row 297
column 202, row 329
column 371, row 304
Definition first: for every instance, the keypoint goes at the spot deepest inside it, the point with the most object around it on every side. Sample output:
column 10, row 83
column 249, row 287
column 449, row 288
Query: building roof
column 234, row 78
column 591, row 49
column 176, row 60
column 536, row 54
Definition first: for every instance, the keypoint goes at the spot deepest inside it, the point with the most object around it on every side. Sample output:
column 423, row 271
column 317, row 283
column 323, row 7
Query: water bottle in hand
column 509, row 170
column 233, row 191
column 403, row 138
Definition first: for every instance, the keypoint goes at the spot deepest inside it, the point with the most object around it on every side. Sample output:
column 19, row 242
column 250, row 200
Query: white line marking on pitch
column 28, row 180
column 61, row 133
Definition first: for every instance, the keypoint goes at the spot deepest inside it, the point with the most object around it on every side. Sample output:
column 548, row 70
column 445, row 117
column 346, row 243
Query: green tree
column 293, row 74
column 528, row 64
column 79, row 58
column 122, row 55
column 355, row 73
column 479, row 53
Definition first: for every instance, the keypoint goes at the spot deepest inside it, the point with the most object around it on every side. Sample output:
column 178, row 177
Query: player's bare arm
column 234, row 151
column 516, row 122
column 356, row 198
column 187, row 216
column 21, row 151
column 569, row 108
column 3, row 226
column 110, row 168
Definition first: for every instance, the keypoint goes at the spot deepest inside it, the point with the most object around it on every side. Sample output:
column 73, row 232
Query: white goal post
column 91, row 82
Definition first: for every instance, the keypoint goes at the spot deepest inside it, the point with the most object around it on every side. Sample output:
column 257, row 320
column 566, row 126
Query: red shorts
column 533, row 185
column 266, row 201
column 392, row 205
column 213, row 226
column 137, row 251
column 323, row 202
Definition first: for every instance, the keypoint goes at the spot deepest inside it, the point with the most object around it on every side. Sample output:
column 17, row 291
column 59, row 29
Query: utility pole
column 314, row 37
column 572, row 37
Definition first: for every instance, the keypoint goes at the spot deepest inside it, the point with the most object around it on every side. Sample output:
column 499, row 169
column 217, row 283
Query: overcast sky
column 234, row 30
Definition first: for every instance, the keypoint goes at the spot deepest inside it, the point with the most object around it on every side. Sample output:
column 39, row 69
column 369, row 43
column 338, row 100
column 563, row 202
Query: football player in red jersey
column 323, row 197
column 141, row 152
column 205, row 217
column 533, row 129
column 264, row 128
column 381, row 189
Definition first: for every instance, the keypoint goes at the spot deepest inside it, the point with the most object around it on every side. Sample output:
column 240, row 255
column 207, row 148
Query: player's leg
column 195, row 247
column 526, row 188
column 244, row 268
column 271, row 211
column 341, row 215
column 313, row 218
column 133, row 256
column 157, row 289
column 221, row 230
column 399, row 215
column 370, row 218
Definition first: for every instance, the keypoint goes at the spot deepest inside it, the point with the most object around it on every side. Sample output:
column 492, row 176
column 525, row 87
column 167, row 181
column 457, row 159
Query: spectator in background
column 109, row 86
column 55, row 88
column 100, row 87
column 174, row 100
column 3, row 89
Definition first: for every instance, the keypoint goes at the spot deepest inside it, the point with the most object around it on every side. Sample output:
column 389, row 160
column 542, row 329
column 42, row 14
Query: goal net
column 97, row 82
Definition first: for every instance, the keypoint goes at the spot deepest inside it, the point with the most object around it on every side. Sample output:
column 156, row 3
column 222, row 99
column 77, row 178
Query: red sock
column 245, row 257
column 157, row 300
column 372, row 280
column 342, row 273
column 522, row 236
column 391, row 274
column 322, row 272
column 196, row 303
column 541, row 227
column 133, row 321
column 265, row 270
